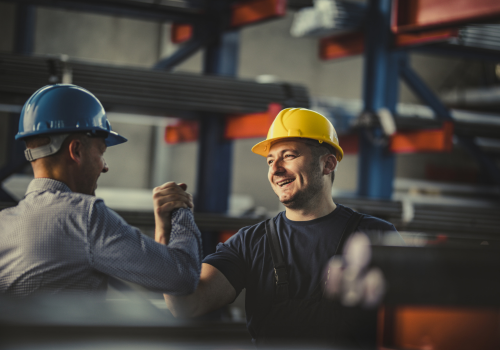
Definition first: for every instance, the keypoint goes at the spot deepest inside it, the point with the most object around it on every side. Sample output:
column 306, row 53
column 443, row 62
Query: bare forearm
column 184, row 306
column 162, row 233
column 213, row 292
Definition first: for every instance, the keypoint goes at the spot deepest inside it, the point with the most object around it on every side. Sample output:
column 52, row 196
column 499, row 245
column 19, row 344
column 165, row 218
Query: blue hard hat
column 65, row 108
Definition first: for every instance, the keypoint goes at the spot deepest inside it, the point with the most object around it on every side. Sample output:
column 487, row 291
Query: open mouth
column 285, row 182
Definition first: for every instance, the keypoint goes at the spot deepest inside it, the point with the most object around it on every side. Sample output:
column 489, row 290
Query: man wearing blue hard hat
column 60, row 238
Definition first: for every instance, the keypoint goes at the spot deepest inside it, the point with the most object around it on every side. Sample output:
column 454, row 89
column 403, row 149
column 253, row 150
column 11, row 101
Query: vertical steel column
column 376, row 163
column 213, row 185
column 24, row 38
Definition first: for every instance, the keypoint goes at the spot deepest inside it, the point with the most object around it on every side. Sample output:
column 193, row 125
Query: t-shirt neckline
column 313, row 221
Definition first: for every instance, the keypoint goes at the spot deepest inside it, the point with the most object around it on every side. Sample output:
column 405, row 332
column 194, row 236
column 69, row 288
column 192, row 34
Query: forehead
column 287, row 144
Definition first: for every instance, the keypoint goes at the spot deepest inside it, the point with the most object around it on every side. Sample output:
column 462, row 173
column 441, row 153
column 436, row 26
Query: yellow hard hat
column 300, row 122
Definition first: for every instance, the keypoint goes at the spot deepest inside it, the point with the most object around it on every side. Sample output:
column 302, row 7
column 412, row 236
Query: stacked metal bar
column 467, row 223
column 145, row 91
column 484, row 36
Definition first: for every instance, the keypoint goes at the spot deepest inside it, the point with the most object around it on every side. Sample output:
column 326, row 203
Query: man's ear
column 330, row 164
column 75, row 148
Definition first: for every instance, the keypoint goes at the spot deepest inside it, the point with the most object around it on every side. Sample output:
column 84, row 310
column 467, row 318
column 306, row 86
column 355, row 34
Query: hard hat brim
column 262, row 148
column 114, row 139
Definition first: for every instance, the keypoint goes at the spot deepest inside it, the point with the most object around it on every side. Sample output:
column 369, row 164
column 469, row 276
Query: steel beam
column 24, row 37
column 376, row 163
column 461, row 52
column 187, row 49
column 23, row 44
column 419, row 87
column 213, row 185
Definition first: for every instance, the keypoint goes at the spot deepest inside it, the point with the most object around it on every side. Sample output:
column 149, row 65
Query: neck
column 317, row 208
column 55, row 172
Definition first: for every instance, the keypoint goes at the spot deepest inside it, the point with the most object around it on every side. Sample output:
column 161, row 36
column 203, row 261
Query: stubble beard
column 305, row 198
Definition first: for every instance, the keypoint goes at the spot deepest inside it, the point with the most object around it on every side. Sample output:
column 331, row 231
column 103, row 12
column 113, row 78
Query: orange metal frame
column 181, row 32
column 438, row 328
column 251, row 125
column 418, row 15
column 353, row 43
column 182, row 131
column 243, row 13
column 439, row 140
column 237, row 126
column 252, row 11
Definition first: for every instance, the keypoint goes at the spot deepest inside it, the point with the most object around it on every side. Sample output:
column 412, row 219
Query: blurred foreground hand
column 350, row 278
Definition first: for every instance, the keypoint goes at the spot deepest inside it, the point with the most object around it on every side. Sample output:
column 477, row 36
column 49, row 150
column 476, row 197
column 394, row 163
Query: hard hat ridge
column 64, row 109
column 303, row 123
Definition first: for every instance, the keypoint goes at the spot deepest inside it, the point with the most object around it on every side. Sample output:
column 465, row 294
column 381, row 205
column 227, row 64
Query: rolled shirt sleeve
column 120, row 250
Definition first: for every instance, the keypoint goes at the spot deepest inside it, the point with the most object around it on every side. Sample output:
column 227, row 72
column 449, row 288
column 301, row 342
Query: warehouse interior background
column 437, row 193
column 266, row 49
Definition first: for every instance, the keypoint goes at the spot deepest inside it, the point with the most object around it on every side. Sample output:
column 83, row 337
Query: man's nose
column 105, row 168
column 276, row 167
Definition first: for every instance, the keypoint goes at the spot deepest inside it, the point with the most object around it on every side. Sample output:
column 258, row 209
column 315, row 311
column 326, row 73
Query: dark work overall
column 314, row 319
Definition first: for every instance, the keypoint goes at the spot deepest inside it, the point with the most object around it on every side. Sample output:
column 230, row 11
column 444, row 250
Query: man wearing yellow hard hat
column 281, row 262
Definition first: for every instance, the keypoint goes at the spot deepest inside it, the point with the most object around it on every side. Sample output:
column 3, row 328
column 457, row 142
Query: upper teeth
column 281, row 184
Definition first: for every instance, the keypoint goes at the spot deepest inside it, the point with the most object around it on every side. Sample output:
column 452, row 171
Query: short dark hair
column 320, row 149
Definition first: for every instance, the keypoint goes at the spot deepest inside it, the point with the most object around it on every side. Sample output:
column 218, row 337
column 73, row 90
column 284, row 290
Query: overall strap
column 280, row 272
column 350, row 227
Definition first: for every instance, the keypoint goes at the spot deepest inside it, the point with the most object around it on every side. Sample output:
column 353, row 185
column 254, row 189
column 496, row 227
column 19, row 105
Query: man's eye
column 269, row 162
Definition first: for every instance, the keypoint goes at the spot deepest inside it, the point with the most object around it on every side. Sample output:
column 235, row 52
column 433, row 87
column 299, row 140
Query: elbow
column 182, row 307
column 188, row 281
column 188, row 287
column 182, row 314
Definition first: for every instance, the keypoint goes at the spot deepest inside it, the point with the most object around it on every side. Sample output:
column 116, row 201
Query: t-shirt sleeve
column 229, row 258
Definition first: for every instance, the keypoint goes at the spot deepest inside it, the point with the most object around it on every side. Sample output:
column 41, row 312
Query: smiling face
column 295, row 175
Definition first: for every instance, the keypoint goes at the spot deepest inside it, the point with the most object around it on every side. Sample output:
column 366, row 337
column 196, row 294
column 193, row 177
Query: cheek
column 269, row 176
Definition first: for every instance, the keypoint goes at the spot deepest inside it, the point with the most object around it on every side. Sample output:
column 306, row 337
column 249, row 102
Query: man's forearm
column 184, row 306
column 163, row 229
column 213, row 292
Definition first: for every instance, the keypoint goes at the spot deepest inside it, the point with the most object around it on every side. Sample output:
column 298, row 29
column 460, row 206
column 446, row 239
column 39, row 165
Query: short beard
column 305, row 198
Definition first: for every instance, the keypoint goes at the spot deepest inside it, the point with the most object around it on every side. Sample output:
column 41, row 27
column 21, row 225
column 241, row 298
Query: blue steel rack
column 383, row 66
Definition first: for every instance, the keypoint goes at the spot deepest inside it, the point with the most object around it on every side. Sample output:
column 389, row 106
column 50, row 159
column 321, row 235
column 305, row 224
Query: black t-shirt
column 245, row 259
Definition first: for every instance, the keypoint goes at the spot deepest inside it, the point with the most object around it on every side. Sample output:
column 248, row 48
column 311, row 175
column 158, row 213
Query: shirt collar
column 44, row 184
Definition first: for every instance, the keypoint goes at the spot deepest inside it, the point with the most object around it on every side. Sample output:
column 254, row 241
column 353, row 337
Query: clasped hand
column 167, row 198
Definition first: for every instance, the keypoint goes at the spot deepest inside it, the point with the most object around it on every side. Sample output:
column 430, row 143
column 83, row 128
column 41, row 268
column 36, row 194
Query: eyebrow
column 284, row 151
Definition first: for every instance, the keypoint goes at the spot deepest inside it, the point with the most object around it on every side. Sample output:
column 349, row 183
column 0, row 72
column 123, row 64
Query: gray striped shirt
column 56, row 240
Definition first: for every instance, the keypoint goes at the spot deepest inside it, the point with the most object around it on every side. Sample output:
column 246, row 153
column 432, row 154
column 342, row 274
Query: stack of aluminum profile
column 482, row 36
column 328, row 17
column 145, row 91
column 343, row 114
column 456, row 222
column 465, row 224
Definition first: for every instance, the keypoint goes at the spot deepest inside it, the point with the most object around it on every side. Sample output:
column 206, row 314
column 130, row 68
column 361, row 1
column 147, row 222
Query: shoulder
column 248, row 235
column 379, row 231
column 372, row 223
